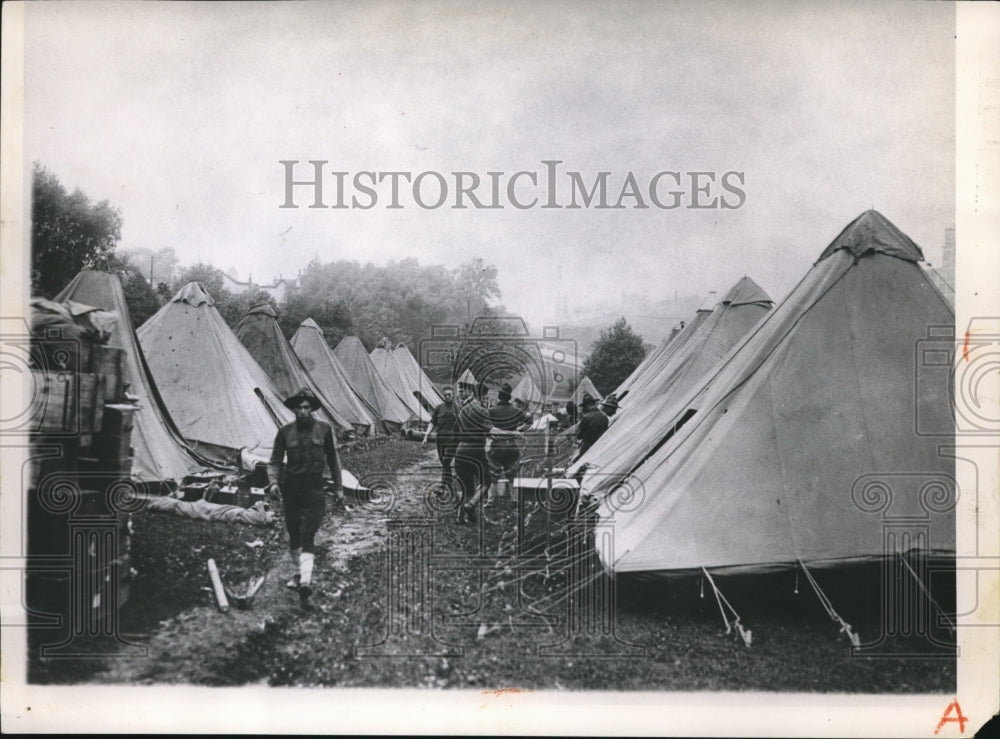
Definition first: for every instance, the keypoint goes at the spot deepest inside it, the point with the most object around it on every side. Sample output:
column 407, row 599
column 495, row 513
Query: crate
column 257, row 495
column 113, row 445
column 226, row 495
column 108, row 363
column 66, row 403
column 194, row 490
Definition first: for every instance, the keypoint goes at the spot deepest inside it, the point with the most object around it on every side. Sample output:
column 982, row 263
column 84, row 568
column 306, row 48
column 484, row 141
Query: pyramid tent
column 562, row 364
column 527, row 391
column 801, row 443
column 330, row 376
column 396, row 377
column 160, row 451
column 661, row 357
column 644, row 417
column 586, row 387
column 416, row 376
column 259, row 332
column 467, row 378
column 369, row 383
column 219, row 397
column 642, row 368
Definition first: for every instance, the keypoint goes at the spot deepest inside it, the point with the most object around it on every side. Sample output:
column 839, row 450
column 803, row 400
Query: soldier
column 309, row 445
column 471, row 465
column 593, row 423
column 505, row 454
column 444, row 422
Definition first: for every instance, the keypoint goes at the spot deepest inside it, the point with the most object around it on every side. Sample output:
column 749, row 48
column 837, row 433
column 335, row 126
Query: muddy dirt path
column 202, row 645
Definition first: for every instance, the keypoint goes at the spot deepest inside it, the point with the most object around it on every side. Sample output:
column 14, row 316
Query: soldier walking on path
column 444, row 422
column 309, row 446
column 505, row 438
column 471, row 466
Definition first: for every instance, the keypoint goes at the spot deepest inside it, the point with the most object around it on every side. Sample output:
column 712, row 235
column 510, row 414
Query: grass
column 450, row 606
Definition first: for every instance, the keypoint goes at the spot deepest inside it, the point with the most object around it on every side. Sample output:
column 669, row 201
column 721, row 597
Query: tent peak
column 264, row 309
column 310, row 323
column 194, row 295
column 873, row 232
column 746, row 291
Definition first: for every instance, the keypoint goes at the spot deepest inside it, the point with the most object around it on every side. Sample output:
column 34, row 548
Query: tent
column 160, row 451
column 586, row 387
column 552, row 376
column 562, row 364
column 653, row 364
column 330, row 376
column 527, row 391
column 259, row 332
column 418, row 379
column 396, row 376
column 467, row 378
column 646, row 412
column 369, row 383
column 800, row 446
column 219, row 397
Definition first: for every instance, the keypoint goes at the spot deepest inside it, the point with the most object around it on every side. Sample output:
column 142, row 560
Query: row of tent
column 763, row 437
column 218, row 393
column 759, row 436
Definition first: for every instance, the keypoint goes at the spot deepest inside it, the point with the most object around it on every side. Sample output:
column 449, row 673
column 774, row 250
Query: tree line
column 401, row 300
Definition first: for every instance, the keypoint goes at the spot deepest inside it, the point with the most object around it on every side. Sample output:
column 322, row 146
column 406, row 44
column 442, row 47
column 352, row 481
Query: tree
column 68, row 233
column 162, row 264
column 477, row 285
column 206, row 275
column 400, row 301
column 614, row 356
column 142, row 300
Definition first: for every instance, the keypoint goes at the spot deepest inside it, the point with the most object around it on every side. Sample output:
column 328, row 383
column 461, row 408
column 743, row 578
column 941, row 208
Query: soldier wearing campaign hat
column 593, row 423
column 301, row 451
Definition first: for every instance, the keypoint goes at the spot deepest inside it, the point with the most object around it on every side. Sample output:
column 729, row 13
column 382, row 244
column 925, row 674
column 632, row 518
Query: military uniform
column 444, row 421
column 504, row 451
column 471, row 466
column 310, row 449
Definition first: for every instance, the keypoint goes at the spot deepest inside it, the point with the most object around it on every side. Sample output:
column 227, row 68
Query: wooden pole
column 220, row 593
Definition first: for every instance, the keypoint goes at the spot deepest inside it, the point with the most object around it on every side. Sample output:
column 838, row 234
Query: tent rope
column 926, row 592
column 745, row 634
column 845, row 628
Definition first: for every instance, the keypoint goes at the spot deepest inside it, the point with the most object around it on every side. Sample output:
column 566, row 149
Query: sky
column 180, row 115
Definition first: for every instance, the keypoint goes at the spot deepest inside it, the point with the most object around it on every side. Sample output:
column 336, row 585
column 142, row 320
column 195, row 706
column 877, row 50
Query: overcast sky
column 179, row 114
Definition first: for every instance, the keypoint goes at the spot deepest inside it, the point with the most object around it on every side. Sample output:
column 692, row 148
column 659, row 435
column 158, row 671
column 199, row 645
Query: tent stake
column 845, row 628
column 745, row 634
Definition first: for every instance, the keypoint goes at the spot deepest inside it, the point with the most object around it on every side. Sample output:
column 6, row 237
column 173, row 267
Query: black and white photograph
column 500, row 368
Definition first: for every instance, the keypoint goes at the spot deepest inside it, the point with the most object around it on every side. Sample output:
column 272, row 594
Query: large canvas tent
column 330, row 376
column 367, row 380
column 801, row 444
column 218, row 396
column 259, row 332
column 388, row 365
column 422, row 384
column 648, row 410
column 160, row 451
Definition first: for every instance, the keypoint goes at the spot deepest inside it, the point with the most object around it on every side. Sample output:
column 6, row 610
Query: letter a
column 958, row 717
